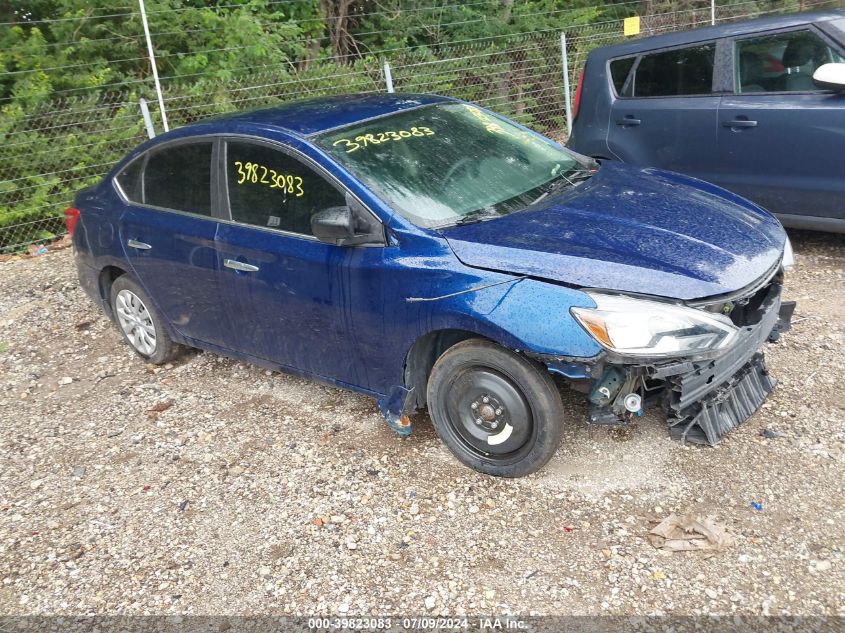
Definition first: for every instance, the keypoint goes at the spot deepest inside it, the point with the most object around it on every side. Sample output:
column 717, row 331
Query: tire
column 140, row 323
column 516, row 430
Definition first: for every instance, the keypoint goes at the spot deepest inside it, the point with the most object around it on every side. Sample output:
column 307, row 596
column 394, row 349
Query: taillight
column 71, row 218
column 577, row 103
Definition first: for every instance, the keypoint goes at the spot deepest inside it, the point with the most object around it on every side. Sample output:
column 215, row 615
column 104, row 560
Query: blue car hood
column 634, row 230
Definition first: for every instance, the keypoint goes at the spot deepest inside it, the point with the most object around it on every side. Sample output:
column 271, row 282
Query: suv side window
column 619, row 71
column 179, row 178
column 269, row 188
column 683, row 71
column 781, row 63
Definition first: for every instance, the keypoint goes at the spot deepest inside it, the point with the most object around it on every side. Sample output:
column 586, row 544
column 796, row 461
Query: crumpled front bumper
column 704, row 399
column 715, row 396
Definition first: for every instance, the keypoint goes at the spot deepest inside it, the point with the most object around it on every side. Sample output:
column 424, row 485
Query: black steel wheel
column 495, row 410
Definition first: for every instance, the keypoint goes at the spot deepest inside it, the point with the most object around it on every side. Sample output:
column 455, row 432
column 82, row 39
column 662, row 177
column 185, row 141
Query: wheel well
column 107, row 278
column 422, row 356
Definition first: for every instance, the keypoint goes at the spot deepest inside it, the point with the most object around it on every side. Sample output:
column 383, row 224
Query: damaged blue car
column 430, row 253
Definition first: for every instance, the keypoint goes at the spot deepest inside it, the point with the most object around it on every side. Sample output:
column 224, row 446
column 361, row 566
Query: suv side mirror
column 830, row 77
column 337, row 225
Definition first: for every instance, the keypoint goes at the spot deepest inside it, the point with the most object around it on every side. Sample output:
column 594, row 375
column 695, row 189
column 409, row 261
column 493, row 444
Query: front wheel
column 496, row 411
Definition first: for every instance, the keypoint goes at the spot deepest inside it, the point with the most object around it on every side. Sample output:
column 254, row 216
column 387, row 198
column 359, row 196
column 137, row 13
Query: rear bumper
column 89, row 280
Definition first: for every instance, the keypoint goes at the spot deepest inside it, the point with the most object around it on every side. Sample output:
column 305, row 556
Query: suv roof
column 716, row 32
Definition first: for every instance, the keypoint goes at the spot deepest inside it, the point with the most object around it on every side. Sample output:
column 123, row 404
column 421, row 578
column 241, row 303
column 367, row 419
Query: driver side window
column 272, row 189
column 781, row 63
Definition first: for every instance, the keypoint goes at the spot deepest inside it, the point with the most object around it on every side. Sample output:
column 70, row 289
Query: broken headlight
column 637, row 327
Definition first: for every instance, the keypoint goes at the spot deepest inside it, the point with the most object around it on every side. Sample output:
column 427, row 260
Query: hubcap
column 136, row 322
column 488, row 412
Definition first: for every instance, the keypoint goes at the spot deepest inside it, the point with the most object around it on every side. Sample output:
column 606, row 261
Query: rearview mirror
column 830, row 77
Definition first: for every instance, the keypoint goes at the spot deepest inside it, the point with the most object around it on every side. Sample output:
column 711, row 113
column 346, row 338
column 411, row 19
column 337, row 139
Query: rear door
column 283, row 290
column 781, row 139
column 665, row 112
column 167, row 230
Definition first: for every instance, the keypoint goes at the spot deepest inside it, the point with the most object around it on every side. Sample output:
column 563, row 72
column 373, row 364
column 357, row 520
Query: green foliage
column 72, row 71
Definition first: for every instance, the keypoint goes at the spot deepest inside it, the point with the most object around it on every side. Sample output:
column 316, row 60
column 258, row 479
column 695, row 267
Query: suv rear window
column 683, row 71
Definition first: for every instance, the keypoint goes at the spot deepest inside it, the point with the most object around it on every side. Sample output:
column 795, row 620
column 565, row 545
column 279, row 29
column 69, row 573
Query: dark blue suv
column 734, row 104
column 428, row 252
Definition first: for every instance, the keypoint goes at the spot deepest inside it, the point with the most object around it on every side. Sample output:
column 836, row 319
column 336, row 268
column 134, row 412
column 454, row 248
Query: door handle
column 739, row 123
column 628, row 121
column 241, row 266
column 141, row 246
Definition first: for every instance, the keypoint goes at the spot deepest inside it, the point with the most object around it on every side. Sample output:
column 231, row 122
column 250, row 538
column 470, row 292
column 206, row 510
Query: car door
column 167, row 230
column 285, row 292
column 665, row 111
column 781, row 138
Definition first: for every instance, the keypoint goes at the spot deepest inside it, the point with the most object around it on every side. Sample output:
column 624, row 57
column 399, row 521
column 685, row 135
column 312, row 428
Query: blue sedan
column 429, row 252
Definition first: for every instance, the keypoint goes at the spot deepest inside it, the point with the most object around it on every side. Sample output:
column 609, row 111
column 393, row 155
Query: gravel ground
column 210, row 486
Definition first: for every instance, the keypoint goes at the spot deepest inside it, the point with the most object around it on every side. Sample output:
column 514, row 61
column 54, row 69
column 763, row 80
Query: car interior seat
column 801, row 58
column 750, row 72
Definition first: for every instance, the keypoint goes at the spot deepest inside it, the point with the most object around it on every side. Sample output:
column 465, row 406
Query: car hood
column 644, row 231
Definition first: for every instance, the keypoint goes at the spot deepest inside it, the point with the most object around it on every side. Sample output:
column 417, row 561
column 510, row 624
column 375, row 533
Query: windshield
column 449, row 163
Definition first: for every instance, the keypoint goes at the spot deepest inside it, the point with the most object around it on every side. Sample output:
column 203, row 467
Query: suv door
column 167, row 231
column 286, row 293
column 780, row 137
column 665, row 111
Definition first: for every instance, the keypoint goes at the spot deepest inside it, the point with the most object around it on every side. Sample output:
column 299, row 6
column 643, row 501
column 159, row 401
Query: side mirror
column 830, row 77
column 333, row 225
column 339, row 226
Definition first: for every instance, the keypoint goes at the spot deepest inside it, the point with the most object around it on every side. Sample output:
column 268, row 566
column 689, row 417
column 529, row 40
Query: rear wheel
column 496, row 411
column 140, row 323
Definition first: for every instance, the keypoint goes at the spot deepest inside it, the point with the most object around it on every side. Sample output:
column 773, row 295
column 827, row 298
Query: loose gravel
column 210, row 486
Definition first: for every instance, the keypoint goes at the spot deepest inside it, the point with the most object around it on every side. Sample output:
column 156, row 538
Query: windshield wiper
column 564, row 181
column 479, row 215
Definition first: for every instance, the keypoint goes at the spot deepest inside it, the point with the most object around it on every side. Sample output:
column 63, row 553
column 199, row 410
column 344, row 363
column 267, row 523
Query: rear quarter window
column 619, row 70
column 129, row 180
column 678, row 72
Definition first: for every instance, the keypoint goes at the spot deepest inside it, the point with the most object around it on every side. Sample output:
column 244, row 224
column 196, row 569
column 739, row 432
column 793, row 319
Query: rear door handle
column 141, row 246
column 628, row 121
column 241, row 266
column 739, row 123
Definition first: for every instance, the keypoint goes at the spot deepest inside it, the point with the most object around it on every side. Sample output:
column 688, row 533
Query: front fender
column 525, row 314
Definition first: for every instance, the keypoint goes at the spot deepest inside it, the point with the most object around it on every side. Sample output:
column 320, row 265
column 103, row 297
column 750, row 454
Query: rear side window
column 129, row 180
column 619, row 69
column 683, row 71
column 179, row 178
column 272, row 189
column 781, row 63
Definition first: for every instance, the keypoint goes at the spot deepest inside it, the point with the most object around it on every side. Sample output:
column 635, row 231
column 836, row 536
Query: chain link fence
column 51, row 150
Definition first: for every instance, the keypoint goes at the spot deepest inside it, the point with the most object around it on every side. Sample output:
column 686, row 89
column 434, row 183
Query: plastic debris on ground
column 687, row 534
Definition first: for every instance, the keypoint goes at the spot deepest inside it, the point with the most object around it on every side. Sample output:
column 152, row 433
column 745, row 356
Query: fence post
column 712, row 11
column 388, row 78
column 567, row 97
column 148, row 121
column 153, row 64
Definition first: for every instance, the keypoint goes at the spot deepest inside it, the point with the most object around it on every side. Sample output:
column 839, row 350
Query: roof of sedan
column 729, row 29
column 312, row 116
